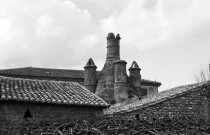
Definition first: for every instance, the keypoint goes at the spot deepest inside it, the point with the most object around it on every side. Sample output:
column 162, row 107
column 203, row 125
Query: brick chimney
column 120, row 85
column 90, row 75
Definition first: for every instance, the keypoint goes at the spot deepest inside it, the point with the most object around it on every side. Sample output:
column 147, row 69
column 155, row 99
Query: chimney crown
column 90, row 63
column 120, row 61
column 112, row 36
column 134, row 66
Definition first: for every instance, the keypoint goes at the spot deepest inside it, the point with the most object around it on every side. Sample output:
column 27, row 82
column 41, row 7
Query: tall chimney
column 120, row 85
column 105, row 83
column 113, row 47
column 90, row 75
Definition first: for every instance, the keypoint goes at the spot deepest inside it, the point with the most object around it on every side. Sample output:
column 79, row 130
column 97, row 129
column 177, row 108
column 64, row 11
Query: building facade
column 111, row 83
column 27, row 102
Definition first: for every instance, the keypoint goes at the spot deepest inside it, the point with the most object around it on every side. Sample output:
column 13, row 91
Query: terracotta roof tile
column 56, row 92
column 48, row 72
column 155, row 98
column 45, row 72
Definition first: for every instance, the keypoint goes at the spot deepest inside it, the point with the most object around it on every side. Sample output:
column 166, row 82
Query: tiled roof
column 154, row 98
column 47, row 72
column 42, row 91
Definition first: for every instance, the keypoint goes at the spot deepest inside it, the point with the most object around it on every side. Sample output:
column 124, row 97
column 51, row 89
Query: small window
column 150, row 89
column 27, row 114
column 144, row 92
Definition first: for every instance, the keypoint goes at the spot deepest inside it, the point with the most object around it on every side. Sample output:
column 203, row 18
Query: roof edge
column 130, row 109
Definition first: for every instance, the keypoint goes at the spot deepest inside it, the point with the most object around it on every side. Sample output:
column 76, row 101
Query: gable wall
column 150, row 89
column 12, row 120
column 190, row 104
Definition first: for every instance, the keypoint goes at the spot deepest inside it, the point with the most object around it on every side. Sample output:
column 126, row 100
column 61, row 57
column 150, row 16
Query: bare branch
column 203, row 74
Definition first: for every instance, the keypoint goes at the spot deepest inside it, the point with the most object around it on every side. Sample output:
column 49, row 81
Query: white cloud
column 141, row 26
column 6, row 31
column 149, row 23
column 46, row 26
column 65, row 33
column 40, row 33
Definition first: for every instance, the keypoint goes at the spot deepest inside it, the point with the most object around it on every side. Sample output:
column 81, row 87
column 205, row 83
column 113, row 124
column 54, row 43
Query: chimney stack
column 90, row 75
column 120, row 85
column 135, row 77
column 113, row 47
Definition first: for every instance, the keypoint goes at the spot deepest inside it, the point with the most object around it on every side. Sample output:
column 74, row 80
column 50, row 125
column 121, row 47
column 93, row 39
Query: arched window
column 27, row 114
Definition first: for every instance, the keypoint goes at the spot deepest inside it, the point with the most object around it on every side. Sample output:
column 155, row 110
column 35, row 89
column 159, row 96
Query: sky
column 169, row 39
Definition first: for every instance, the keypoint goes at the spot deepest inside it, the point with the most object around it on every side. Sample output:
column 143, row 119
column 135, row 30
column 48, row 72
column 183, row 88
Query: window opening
column 137, row 116
column 28, row 114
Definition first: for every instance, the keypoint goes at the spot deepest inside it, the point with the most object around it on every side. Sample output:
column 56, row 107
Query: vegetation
column 117, row 126
column 202, row 74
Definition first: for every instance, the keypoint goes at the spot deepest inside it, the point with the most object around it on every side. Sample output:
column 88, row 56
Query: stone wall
column 190, row 104
column 150, row 89
column 105, row 85
column 12, row 114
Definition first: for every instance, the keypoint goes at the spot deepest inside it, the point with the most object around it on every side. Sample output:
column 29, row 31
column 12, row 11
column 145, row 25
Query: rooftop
column 155, row 98
column 46, row 72
column 49, row 72
column 42, row 91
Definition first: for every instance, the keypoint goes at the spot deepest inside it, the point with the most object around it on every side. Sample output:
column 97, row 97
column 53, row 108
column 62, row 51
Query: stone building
column 188, row 100
column 112, row 83
column 27, row 101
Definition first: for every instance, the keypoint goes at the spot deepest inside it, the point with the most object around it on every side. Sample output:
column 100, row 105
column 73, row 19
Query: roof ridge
column 43, row 68
column 14, row 68
column 56, row 68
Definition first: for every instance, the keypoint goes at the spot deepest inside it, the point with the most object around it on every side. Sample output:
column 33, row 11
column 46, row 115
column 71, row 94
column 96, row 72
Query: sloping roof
column 155, row 98
column 90, row 63
column 42, row 91
column 134, row 66
column 48, row 72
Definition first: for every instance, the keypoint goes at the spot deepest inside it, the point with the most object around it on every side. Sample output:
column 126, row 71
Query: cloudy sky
column 169, row 39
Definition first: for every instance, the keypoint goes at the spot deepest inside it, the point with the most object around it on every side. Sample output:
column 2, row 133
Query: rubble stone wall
column 12, row 115
column 150, row 89
column 105, row 85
